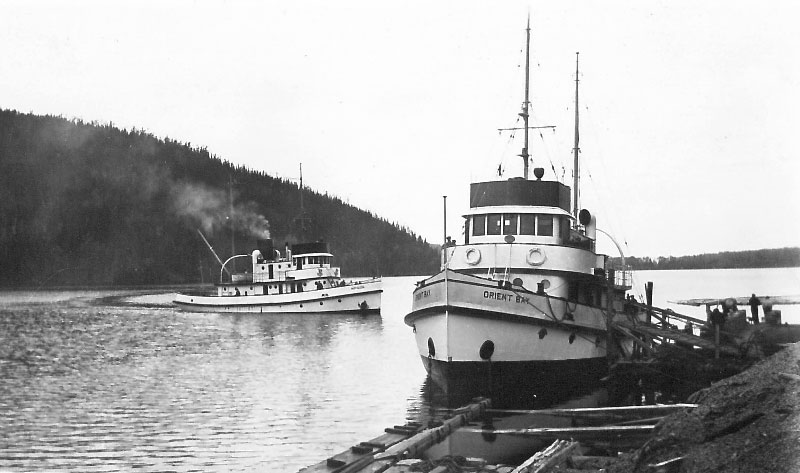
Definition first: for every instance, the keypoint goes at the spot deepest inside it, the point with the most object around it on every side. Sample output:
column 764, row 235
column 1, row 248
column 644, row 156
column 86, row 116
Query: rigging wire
column 609, row 210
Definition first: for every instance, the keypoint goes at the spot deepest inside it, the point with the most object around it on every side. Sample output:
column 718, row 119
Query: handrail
column 226, row 262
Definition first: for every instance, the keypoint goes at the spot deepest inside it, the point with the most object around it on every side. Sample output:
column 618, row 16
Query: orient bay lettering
column 502, row 296
column 422, row 294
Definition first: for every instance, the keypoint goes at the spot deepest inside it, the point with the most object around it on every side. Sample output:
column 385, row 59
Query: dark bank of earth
column 749, row 422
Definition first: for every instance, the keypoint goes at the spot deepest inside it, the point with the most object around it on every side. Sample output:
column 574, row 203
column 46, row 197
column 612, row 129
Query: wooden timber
column 548, row 458
column 610, row 413
column 741, row 301
column 355, row 453
column 678, row 336
column 584, row 434
column 398, row 443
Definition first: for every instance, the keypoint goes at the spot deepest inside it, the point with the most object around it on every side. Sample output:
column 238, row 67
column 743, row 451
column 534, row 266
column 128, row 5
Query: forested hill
column 766, row 258
column 90, row 204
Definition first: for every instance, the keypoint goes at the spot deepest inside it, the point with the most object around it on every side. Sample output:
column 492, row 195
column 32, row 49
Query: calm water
column 119, row 380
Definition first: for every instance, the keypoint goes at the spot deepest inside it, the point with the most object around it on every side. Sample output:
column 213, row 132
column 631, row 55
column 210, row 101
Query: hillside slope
column 89, row 204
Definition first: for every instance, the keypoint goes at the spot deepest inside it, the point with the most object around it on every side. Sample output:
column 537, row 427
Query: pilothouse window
column 510, row 224
column 493, row 224
column 479, row 225
column 527, row 224
column 545, row 225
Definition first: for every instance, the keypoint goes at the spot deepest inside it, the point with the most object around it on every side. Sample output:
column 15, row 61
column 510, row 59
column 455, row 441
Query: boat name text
column 502, row 296
column 420, row 295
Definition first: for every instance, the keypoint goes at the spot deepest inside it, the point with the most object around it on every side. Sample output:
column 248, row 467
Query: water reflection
column 433, row 405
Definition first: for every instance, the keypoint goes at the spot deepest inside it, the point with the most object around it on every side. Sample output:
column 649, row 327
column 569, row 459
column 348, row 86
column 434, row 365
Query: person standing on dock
column 754, row 303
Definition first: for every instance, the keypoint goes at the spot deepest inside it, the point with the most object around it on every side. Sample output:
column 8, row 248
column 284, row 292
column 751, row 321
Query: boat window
column 493, row 222
column 479, row 225
column 545, row 225
column 527, row 224
column 510, row 224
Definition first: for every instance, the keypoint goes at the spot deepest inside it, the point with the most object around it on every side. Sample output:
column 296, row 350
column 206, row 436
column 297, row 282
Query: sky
column 687, row 109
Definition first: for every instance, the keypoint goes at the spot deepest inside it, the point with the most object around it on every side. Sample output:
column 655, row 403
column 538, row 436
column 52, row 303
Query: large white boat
column 301, row 279
column 526, row 301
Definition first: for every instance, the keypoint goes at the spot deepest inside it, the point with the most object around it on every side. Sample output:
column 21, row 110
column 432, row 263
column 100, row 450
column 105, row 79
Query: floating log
column 615, row 412
column 422, row 441
column 577, row 433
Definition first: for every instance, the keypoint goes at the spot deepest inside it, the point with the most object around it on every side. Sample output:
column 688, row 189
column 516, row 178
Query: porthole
column 487, row 350
column 340, row 300
column 545, row 283
column 320, row 302
column 517, row 282
column 431, row 347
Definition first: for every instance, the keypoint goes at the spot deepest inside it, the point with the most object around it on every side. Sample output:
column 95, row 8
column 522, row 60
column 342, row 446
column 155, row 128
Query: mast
column 526, row 104
column 302, row 220
column 302, row 210
column 233, row 228
column 576, row 149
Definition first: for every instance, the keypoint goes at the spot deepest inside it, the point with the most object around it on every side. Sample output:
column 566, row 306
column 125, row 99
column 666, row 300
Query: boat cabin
column 535, row 212
column 303, row 267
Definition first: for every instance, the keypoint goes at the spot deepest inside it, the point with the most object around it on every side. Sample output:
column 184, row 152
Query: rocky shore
column 749, row 422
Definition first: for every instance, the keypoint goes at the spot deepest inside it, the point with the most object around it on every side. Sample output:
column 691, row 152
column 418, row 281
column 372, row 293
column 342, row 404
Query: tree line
column 764, row 258
column 91, row 204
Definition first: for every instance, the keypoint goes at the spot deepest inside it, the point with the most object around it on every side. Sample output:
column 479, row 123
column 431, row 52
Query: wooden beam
column 575, row 433
column 548, row 458
column 655, row 410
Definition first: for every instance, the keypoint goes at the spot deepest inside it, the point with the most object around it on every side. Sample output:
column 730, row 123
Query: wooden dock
column 403, row 449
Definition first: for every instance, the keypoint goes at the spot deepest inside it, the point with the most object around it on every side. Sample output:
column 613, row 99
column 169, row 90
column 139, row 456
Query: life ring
column 535, row 257
column 472, row 256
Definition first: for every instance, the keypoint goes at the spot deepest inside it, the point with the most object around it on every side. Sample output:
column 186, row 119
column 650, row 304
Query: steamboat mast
column 526, row 104
column 575, row 148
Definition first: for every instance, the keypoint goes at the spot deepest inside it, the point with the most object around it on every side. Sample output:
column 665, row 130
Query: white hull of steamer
column 363, row 297
column 477, row 335
column 301, row 280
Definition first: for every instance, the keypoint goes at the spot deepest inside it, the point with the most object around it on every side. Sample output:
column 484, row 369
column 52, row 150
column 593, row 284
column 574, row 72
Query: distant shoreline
column 751, row 259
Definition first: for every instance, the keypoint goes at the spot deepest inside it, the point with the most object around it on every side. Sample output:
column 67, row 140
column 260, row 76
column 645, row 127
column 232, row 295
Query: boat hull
column 364, row 298
column 477, row 337
column 538, row 383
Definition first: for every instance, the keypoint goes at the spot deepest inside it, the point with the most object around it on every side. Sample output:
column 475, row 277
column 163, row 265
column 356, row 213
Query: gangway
column 631, row 329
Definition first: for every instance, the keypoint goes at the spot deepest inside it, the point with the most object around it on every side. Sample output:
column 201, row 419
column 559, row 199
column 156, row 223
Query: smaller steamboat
column 301, row 280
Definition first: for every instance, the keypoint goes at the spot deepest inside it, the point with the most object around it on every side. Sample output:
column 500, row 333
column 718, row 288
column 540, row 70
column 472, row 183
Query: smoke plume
column 210, row 209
